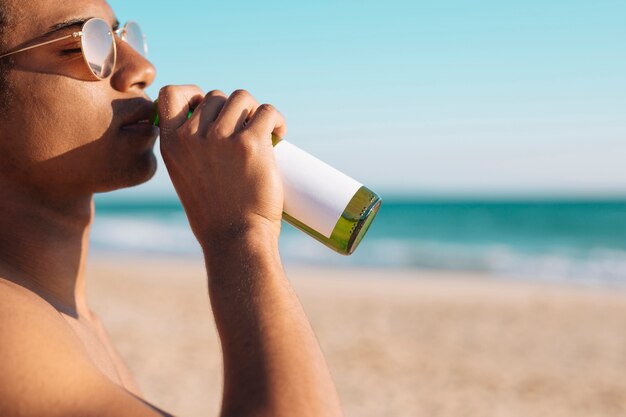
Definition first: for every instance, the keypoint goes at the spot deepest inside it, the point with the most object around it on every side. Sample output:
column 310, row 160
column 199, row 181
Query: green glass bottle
column 321, row 201
column 334, row 209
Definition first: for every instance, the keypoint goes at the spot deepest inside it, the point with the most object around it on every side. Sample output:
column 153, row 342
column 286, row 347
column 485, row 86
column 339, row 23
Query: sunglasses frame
column 121, row 32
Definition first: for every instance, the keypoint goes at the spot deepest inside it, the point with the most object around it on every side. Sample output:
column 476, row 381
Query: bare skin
column 64, row 139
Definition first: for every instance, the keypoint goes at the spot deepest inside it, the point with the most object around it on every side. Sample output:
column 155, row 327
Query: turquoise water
column 575, row 240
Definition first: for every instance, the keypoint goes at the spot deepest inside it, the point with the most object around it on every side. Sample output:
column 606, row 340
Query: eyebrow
column 71, row 23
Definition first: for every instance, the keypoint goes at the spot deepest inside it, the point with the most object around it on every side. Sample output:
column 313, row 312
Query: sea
column 567, row 240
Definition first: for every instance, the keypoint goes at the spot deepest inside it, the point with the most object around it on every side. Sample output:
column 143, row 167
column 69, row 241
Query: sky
column 417, row 98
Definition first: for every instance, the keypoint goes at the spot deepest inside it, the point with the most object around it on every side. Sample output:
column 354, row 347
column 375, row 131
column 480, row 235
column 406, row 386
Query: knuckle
column 216, row 93
column 217, row 131
column 167, row 90
column 267, row 108
column 240, row 93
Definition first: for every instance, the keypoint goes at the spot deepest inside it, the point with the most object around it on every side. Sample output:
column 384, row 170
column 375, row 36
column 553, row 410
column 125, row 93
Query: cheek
column 60, row 117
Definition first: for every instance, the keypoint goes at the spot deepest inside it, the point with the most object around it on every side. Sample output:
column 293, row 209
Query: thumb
column 175, row 103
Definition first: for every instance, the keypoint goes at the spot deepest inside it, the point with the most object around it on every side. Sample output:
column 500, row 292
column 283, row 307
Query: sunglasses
column 97, row 44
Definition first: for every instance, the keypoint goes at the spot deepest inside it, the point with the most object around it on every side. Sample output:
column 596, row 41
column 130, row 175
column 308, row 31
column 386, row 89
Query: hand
column 222, row 162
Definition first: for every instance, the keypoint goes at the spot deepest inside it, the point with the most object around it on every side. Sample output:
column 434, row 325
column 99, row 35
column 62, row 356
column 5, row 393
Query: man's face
column 65, row 132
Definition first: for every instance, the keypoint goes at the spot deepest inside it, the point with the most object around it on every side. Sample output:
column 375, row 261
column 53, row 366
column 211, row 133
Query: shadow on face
column 114, row 160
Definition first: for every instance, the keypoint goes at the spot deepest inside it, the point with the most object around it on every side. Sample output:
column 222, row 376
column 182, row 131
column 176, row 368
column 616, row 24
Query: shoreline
column 100, row 257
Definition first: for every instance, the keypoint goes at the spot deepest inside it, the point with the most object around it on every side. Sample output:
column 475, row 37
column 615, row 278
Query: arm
column 226, row 176
column 228, row 182
column 272, row 362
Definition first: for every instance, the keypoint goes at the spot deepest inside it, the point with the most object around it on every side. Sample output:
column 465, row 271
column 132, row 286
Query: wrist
column 240, row 235
column 242, row 251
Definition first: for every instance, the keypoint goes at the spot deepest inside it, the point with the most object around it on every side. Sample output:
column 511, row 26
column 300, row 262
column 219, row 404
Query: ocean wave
column 170, row 235
column 148, row 234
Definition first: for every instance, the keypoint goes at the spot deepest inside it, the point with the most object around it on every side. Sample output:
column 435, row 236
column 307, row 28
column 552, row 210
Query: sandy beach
column 399, row 343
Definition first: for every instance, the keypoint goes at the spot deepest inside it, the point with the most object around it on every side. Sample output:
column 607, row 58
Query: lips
column 140, row 119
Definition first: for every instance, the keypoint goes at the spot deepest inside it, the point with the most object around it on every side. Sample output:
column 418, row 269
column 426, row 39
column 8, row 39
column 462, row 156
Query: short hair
column 7, row 62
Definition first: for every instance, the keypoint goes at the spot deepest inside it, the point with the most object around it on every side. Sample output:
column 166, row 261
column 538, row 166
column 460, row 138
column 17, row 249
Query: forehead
column 28, row 19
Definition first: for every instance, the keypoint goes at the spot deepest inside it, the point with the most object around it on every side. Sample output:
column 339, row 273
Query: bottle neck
column 276, row 140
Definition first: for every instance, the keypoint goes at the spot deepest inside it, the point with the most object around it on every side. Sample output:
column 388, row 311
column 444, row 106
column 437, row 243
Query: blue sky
column 440, row 97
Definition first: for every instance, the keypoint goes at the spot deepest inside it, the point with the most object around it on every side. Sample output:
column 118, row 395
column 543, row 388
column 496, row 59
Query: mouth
column 140, row 121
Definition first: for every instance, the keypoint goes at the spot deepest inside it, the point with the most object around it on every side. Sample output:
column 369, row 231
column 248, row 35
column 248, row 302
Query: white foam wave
column 148, row 234
column 160, row 234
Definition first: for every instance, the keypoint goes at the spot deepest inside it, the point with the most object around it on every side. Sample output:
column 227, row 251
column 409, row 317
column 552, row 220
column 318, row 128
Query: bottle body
column 323, row 202
column 351, row 226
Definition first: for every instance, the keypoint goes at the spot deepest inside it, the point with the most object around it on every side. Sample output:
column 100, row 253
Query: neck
column 43, row 244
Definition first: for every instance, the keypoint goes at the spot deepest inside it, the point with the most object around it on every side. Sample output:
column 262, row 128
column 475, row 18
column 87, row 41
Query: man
column 73, row 126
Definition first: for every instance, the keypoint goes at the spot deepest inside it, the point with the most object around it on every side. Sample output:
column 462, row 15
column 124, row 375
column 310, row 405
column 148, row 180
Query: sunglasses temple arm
column 75, row 35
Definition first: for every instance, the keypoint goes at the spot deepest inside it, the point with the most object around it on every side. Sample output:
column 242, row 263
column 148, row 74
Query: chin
column 141, row 171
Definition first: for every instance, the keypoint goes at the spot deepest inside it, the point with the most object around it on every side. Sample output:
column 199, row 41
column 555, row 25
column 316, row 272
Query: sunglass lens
column 134, row 37
column 98, row 47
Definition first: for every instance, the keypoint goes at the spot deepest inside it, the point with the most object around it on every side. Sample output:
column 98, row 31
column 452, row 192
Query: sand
column 399, row 343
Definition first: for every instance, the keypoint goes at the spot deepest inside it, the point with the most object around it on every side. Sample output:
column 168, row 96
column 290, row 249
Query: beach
column 399, row 342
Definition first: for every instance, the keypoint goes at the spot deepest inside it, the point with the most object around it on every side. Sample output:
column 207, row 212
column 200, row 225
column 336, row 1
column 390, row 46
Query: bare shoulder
column 44, row 369
column 21, row 309
column 30, row 325
column 37, row 348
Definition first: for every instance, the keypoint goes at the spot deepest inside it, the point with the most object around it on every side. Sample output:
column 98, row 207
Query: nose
column 132, row 70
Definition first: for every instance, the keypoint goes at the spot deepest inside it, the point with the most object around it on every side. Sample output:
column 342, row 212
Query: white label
column 315, row 193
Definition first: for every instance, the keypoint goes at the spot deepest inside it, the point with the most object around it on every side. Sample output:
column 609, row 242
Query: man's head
column 62, row 130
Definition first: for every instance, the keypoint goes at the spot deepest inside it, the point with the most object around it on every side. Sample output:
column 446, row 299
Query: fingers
column 207, row 111
column 265, row 121
column 217, row 115
column 175, row 102
column 235, row 112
